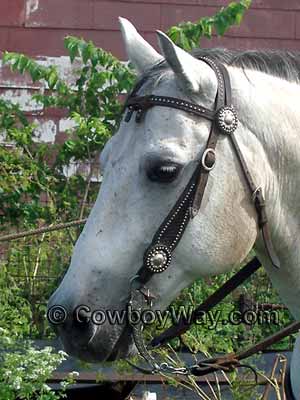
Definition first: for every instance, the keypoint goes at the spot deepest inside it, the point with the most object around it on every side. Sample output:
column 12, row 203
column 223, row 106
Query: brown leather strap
column 141, row 104
column 221, row 99
column 259, row 202
column 203, row 174
column 269, row 246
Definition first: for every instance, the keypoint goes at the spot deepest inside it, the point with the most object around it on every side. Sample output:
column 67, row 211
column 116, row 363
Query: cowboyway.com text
column 211, row 319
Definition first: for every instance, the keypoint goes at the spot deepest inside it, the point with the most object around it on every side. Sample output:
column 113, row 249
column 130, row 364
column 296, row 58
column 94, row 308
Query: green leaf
column 87, row 52
column 187, row 35
column 174, row 33
column 221, row 25
column 71, row 45
column 52, row 79
column 22, row 63
column 35, row 73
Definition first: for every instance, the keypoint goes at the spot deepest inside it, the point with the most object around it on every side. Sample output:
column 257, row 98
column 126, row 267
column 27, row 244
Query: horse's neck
column 270, row 108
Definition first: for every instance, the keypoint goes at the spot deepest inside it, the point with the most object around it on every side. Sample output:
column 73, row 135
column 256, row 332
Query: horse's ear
column 194, row 74
column 139, row 52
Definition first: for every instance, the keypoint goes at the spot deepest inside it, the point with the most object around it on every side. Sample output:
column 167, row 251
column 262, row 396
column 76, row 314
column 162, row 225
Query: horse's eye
column 163, row 173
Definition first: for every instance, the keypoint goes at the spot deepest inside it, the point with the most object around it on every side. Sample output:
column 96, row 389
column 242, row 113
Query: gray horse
column 145, row 168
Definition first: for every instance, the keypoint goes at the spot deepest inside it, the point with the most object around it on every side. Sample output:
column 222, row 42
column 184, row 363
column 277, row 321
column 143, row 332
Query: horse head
column 146, row 166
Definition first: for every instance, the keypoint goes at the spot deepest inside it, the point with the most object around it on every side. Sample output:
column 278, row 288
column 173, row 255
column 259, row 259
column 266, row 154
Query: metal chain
column 45, row 229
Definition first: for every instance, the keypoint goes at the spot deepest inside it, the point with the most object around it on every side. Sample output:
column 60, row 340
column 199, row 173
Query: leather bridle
column 158, row 255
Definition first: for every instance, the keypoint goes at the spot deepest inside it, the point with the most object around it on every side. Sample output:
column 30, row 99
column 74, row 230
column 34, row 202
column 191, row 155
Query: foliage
column 23, row 169
column 11, row 303
column 94, row 107
column 188, row 34
column 29, row 274
column 25, row 369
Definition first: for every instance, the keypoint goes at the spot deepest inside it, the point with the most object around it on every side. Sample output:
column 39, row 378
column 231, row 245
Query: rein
column 157, row 257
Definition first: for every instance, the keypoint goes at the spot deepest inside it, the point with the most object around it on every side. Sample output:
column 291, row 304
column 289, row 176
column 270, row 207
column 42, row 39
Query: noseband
column 224, row 121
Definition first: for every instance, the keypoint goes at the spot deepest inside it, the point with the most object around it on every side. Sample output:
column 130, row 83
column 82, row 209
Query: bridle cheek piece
column 224, row 121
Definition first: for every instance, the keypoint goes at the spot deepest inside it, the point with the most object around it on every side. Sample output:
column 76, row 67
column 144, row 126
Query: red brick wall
column 37, row 27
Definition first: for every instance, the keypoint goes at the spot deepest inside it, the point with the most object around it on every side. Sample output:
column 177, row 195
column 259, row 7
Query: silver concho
column 227, row 120
column 158, row 258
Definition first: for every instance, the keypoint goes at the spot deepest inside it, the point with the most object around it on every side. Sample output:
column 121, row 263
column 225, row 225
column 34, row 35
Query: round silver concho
column 158, row 258
column 227, row 120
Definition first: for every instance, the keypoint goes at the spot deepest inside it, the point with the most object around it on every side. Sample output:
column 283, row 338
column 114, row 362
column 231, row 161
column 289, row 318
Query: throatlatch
column 157, row 257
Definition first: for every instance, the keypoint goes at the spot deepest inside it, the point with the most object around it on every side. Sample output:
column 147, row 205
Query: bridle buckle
column 256, row 191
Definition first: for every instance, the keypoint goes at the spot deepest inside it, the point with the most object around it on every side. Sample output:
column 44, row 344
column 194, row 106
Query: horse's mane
column 279, row 63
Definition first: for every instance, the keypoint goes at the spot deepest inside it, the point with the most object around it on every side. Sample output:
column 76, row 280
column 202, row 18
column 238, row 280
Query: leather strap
column 259, row 203
column 141, row 104
column 221, row 99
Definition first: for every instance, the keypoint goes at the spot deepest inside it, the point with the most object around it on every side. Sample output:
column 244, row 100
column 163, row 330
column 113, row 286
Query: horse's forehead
column 163, row 129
